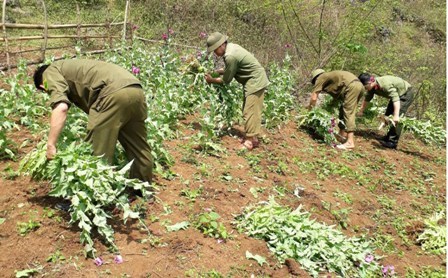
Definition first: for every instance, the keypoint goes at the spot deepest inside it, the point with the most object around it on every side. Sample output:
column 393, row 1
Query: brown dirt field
column 189, row 252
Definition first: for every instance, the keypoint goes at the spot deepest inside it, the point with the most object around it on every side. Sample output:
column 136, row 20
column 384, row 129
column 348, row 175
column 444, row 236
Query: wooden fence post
column 45, row 44
column 5, row 35
column 78, row 28
column 125, row 20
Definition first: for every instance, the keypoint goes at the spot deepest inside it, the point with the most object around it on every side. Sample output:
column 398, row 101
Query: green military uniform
column 245, row 68
column 395, row 89
column 345, row 86
column 115, row 102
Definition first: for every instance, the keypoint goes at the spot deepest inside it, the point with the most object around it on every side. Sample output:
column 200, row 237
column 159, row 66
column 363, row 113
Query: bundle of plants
column 317, row 247
column 93, row 188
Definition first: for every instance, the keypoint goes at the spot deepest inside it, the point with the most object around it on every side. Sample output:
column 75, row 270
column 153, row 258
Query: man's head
column 315, row 73
column 217, row 42
column 38, row 79
column 367, row 80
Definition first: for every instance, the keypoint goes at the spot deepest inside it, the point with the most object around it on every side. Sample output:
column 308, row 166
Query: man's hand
column 208, row 78
column 51, row 152
column 396, row 119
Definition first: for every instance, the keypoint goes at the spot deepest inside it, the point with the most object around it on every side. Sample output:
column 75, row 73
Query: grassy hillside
column 403, row 38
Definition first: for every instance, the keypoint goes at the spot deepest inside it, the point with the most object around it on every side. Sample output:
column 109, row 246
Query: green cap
column 215, row 40
column 316, row 73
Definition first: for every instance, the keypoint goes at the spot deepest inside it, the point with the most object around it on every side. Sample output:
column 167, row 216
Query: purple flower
column 98, row 261
column 369, row 258
column 164, row 37
column 288, row 45
column 118, row 259
column 388, row 270
column 135, row 70
column 134, row 27
column 330, row 130
column 171, row 31
column 219, row 241
column 202, row 35
column 199, row 54
column 333, row 122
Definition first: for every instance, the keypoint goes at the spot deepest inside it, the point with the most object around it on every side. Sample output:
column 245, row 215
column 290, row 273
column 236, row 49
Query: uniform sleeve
column 230, row 69
column 56, row 86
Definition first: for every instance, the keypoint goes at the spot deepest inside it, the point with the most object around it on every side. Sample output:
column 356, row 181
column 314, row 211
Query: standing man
column 114, row 100
column 344, row 86
column 245, row 68
column 400, row 94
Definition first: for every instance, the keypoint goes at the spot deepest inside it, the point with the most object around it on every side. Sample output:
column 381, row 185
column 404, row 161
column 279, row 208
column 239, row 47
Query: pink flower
column 369, row 258
column 287, row 45
column 164, row 37
column 219, row 241
column 202, row 35
column 118, row 259
column 330, row 130
column 388, row 270
column 98, row 261
column 134, row 27
column 135, row 70
column 208, row 209
column 333, row 122
column 171, row 31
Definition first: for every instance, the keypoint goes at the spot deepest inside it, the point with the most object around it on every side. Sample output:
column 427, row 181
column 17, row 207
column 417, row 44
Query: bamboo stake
column 125, row 20
column 57, row 26
column 45, row 44
column 78, row 29
column 27, row 38
column 5, row 37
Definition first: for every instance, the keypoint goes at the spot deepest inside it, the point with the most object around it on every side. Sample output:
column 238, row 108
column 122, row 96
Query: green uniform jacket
column 391, row 87
column 81, row 82
column 334, row 82
column 245, row 68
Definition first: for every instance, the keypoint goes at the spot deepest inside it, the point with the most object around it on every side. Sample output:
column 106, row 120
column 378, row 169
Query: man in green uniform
column 347, row 88
column 401, row 96
column 114, row 100
column 245, row 68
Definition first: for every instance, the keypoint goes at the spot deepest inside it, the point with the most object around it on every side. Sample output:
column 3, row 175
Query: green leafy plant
column 90, row 184
column 317, row 247
column 25, row 228
column 433, row 238
column 209, row 225
column 320, row 122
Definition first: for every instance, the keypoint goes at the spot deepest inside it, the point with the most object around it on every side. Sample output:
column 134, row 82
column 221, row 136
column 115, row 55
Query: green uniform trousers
column 252, row 111
column 121, row 116
column 347, row 110
column 393, row 135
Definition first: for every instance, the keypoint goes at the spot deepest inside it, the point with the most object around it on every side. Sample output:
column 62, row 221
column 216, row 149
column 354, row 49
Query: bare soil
column 189, row 252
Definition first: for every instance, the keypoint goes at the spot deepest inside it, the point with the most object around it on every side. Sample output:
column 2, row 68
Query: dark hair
column 364, row 78
column 38, row 80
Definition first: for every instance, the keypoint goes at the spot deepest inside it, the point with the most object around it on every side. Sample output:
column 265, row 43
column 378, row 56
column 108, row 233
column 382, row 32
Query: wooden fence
column 11, row 55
